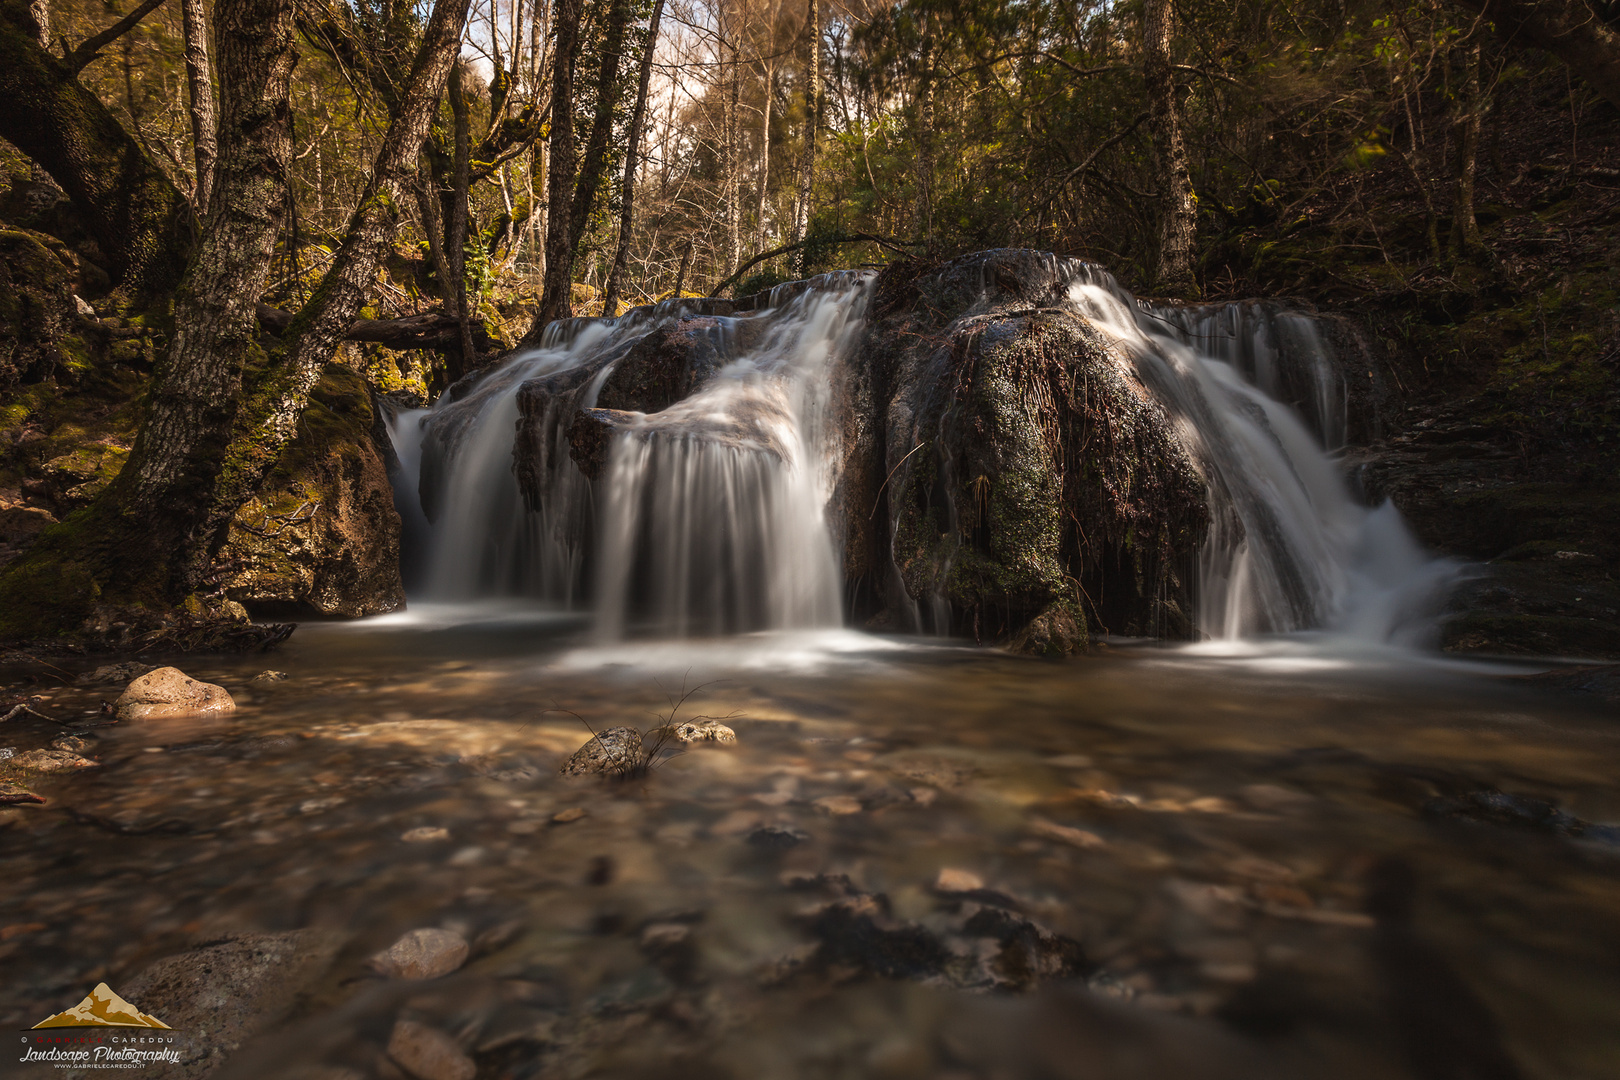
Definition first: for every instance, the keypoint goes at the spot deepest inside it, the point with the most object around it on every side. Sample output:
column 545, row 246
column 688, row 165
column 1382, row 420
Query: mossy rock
column 37, row 310
column 322, row 536
column 1032, row 490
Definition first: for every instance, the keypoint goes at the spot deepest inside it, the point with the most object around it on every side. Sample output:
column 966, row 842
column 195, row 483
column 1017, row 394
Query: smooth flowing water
column 916, row 861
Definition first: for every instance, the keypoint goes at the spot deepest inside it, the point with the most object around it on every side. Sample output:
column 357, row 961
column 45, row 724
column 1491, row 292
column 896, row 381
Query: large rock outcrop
column 322, row 537
column 1004, row 474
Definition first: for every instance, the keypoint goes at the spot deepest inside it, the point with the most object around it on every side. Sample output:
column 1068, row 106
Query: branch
column 430, row 330
column 1107, row 144
column 91, row 47
column 846, row 238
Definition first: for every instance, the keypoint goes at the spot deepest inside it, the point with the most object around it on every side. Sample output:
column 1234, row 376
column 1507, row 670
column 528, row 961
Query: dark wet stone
column 777, row 838
column 1029, row 952
column 1494, row 807
column 858, row 933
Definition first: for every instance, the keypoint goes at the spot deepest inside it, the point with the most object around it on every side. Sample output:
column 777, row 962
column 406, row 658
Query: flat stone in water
column 170, row 692
column 776, row 837
column 425, row 834
column 423, row 954
column 51, row 761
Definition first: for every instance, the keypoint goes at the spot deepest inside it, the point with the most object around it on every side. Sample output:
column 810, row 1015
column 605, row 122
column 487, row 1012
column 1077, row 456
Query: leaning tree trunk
column 555, row 300
column 594, row 161
column 140, row 220
column 812, row 120
column 194, row 20
column 270, row 415
column 1178, row 216
column 632, row 158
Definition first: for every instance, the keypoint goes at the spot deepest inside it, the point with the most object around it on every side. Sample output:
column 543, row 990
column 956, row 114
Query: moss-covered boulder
column 322, row 537
column 1004, row 474
column 37, row 308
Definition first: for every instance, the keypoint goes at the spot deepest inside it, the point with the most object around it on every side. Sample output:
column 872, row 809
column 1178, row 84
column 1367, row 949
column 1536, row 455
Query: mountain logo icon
column 102, row 1008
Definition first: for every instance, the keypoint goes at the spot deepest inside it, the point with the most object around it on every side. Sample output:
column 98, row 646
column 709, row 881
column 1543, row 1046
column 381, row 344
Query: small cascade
column 707, row 512
column 1288, row 548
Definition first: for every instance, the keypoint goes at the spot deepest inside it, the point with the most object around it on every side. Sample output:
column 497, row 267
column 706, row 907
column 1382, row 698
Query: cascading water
column 1288, row 549
column 711, row 513
column 708, row 514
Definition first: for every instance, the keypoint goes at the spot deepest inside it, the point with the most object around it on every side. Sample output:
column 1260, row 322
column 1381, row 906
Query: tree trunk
column 686, row 265
column 632, row 156
column 593, row 162
column 1465, row 239
column 812, row 120
column 733, row 164
column 194, row 20
column 161, row 495
column 460, row 208
column 555, row 300
column 764, row 157
column 140, row 220
column 270, row 415
column 1178, row 215
column 1568, row 29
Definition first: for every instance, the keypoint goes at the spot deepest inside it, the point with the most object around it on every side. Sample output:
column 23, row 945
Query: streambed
column 917, row 860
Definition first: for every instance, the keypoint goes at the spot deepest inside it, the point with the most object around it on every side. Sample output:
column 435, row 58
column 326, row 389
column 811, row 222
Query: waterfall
column 710, row 514
column 1288, row 549
column 706, row 509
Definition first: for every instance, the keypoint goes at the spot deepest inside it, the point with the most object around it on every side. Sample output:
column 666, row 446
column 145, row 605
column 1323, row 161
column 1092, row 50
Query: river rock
column 168, row 692
column 614, row 752
column 428, row 1053
column 422, row 954
column 221, row 995
column 693, row 731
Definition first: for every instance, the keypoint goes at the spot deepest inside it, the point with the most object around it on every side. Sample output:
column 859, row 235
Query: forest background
column 439, row 183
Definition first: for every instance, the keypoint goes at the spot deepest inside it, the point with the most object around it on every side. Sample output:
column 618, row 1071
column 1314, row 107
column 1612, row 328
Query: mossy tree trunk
column 140, row 220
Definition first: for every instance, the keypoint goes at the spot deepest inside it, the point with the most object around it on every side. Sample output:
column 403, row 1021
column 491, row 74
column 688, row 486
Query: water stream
column 1299, row 849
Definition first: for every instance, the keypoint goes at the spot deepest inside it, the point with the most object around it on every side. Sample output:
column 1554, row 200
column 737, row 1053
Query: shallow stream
column 1272, row 859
